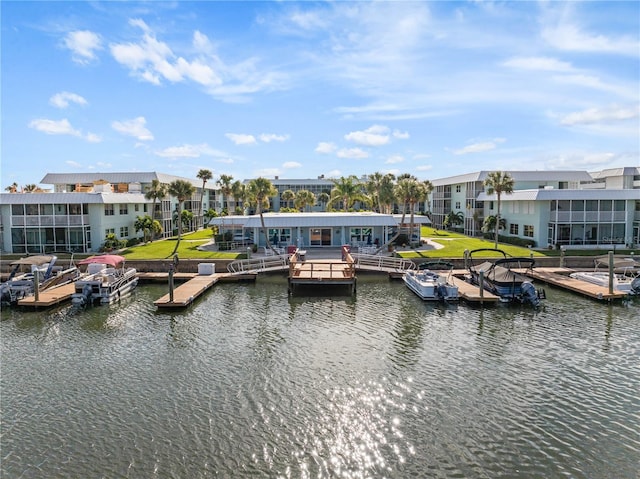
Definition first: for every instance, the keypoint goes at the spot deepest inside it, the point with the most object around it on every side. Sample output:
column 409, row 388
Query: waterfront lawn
column 455, row 244
column 187, row 249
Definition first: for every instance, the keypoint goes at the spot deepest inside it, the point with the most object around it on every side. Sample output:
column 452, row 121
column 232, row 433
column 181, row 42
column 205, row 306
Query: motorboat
column 499, row 278
column 626, row 274
column 105, row 280
column 431, row 285
column 32, row 271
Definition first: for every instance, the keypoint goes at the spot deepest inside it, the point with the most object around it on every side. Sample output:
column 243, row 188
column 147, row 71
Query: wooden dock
column 471, row 293
column 322, row 273
column 554, row 277
column 186, row 293
column 49, row 297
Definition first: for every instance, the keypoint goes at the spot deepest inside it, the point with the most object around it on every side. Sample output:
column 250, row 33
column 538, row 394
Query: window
column 124, row 232
column 528, row 230
column 18, row 210
column 75, row 209
column 109, row 231
column 108, row 210
column 513, row 229
column 137, row 207
column 457, row 205
column 458, row 188
column 124, row 209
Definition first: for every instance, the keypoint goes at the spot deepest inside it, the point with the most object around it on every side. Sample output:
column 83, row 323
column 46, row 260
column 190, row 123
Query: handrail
column 380, row 262
column 258, row 264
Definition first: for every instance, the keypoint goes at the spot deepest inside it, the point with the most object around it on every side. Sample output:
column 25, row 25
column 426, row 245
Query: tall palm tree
column 238, row 191
column 288, row 196
column 13, row 188
column 205, row 175
column 404, row 191
column 182, row 190
column 224, row 182
column 373, row 186
column 30, row 188
column 259, row 191
column 348, row 191
column 498, row 182
column 428, row 188
column 386, row 194
column 304, row 198
column 156, row 191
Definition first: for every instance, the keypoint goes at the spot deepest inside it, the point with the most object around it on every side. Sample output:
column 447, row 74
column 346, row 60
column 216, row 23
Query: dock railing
column 382, row 263
column 255, row 265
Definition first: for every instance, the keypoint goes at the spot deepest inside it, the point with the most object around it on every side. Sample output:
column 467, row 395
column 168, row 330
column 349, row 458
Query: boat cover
column 112, row 260
column 33, row 260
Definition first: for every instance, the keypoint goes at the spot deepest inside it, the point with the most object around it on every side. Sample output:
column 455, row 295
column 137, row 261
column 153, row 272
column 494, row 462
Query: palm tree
column 288, row 196
column 13, row 188
column 238, row 191
column 204, row 175
column 324, row 198
column 453, row 218
column 224, row 182
column 304, row 198
column 428, row 188
column 259, row 191
column 30, row 188
column 348, row 191
column 156, row 191
column 373, row 186
column 386, row 193
column 498, row 182
column 182, row 190
column 489, row 224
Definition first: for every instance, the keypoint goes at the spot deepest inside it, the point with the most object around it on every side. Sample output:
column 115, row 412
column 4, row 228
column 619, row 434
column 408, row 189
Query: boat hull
column 430, row 286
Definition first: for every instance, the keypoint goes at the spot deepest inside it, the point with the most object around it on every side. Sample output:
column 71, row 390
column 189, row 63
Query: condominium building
column 83, row 208
column 570, row 209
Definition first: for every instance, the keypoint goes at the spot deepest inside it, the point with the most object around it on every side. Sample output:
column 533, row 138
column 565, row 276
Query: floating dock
column 471, row 293
column 49, row 297
column 186, row 293
column 560, row 278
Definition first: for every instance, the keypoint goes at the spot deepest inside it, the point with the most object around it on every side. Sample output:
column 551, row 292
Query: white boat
column 431, row 285
column 22, row 279
column 106, row 280
column 626, row 274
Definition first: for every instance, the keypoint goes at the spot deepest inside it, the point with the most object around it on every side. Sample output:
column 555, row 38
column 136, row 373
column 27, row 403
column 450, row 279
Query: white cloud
column 83, row 45
column 134, row 127
column 74, row 164
column 424, row 167
column 62, row 99
column 325, row 147
column 479, row 147
column 53, row 127
column 392, row 160
column 401, row 135
column 93, row 138
column 241, row 139
column 189, row 151
column 352, row 153
column 571, row 38
column 601, row 115
column 291, row 164
column 154, row 61
column 375, row 135
column 334, row 174
column 538, row 63
column 269, row 137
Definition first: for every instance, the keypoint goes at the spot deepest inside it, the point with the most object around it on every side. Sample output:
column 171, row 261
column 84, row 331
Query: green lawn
column 187, row 250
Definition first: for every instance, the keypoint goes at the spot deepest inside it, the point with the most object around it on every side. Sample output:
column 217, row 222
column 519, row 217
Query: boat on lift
column 430, row 284
column 626, row 274
column 40, row 270
column 500, row 278
column 106, row 280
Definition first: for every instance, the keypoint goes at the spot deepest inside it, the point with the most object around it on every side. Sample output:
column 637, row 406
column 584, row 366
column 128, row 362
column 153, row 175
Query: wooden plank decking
column 553, row 277
column 50, row 297
column 471, row 293
column 187, row 292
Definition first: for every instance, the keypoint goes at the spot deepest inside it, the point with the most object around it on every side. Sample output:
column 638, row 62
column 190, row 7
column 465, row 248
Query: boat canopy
column 618, row 262
column 33, row 260
column 108, row 259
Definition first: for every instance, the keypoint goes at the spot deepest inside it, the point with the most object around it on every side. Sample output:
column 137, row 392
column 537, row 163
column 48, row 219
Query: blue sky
column 302, row 89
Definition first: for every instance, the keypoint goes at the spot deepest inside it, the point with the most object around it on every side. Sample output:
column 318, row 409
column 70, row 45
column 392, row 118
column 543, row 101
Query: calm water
column 252, row 383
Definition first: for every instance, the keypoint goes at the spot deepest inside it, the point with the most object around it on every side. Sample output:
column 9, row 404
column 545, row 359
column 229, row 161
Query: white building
column 85, row 207
column 572, row 209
